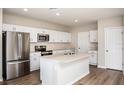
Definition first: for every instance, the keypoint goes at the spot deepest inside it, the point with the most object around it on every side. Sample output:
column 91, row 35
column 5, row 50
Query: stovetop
column 43, row 50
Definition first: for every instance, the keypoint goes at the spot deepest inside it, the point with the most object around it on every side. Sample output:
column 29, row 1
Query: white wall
column 103, row 23
column 0, row 44
column 123, row 47
column 26, row 21
column 83, row 28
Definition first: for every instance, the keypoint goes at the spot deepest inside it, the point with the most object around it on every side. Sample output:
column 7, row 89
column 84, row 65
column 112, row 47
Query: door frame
column 120, row 27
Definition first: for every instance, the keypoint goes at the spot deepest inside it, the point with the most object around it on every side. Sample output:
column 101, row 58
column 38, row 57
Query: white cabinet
column 67, row 37
column 51, row 36
column 35, row 61
column 59, row 36
column 33, row 37
column 94, row 36
column 64, row 37
column 17, row 28
column 7, row 27
column 93, row 57
column 14, row 28
column 33, row 34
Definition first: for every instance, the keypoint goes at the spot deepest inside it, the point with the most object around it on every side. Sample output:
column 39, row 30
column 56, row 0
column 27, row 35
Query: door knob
column 106, row 50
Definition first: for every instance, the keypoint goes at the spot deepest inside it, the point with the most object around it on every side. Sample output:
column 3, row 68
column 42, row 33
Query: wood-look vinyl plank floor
column 100, row 76
column 97, row 76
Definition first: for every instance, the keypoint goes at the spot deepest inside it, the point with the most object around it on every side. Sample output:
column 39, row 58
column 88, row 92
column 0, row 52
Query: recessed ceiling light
column 25, row 9
column 53, row 8
column 58, row 14
column 76, row 20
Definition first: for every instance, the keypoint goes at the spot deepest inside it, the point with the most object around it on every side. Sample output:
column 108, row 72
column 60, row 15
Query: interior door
column 113, row 48
column 83, row 41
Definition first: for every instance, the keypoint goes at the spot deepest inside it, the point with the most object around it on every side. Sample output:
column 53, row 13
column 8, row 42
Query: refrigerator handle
column 19, row 45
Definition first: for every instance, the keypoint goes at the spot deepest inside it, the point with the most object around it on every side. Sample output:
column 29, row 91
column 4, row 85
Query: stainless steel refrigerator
column 16, row 52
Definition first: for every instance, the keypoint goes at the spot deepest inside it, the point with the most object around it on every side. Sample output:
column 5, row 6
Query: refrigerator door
column 11, row 46
column 23, row 47
column 17, row 46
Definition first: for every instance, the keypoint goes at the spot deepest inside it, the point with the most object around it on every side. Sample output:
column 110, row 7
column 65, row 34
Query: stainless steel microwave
column 43, row 37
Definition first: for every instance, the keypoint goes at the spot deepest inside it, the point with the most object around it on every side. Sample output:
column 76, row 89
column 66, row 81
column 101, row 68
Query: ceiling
column 68, row 15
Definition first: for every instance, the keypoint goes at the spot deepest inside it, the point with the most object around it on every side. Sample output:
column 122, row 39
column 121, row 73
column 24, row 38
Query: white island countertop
column 66, row 58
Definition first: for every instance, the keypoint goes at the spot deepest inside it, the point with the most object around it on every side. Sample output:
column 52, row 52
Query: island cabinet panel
column 62, row 70
column 72, row 72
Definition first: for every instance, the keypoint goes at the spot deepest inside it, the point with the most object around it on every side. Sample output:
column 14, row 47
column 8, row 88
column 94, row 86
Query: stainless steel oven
column 43, row 37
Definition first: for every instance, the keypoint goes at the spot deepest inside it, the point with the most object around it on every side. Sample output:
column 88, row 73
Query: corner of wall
column 1, row 44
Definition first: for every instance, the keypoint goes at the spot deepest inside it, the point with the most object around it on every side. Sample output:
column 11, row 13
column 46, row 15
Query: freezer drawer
column 16, row 69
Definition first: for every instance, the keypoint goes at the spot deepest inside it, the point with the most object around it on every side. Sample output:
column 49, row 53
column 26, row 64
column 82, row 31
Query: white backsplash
column 51, row 46
column 94, row 46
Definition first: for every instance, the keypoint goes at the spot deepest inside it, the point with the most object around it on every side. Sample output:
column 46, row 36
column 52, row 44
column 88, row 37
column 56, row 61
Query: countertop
column 66, row 58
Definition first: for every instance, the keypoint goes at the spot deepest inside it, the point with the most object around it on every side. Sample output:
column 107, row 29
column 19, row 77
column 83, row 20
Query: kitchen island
column 63, row 69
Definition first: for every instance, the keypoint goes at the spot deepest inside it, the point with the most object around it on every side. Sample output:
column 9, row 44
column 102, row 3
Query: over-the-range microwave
column 42, row 37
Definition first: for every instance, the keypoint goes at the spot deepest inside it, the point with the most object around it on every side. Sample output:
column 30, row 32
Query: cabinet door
column 64, row 36
column 51, row 36
column 93, row 59
column 17, row 28
column 34, row 61
column 61, row 37
column 57, row 36
column 33, row 37
column 67, row 37
column 7, row 27
column 93, row 36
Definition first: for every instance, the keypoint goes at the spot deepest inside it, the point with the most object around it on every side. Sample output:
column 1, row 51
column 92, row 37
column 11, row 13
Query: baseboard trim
column 101, row 66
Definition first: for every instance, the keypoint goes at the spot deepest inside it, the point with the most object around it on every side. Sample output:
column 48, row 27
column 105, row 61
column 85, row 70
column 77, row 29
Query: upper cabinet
column 33, row 33
column 59, row 36
column 7, row 27
column 16, row 28
column 94, row 36
column 54, row 36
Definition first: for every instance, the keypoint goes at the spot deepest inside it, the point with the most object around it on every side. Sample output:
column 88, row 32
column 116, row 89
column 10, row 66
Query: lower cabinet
column 35, row 61
column 93, row 59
